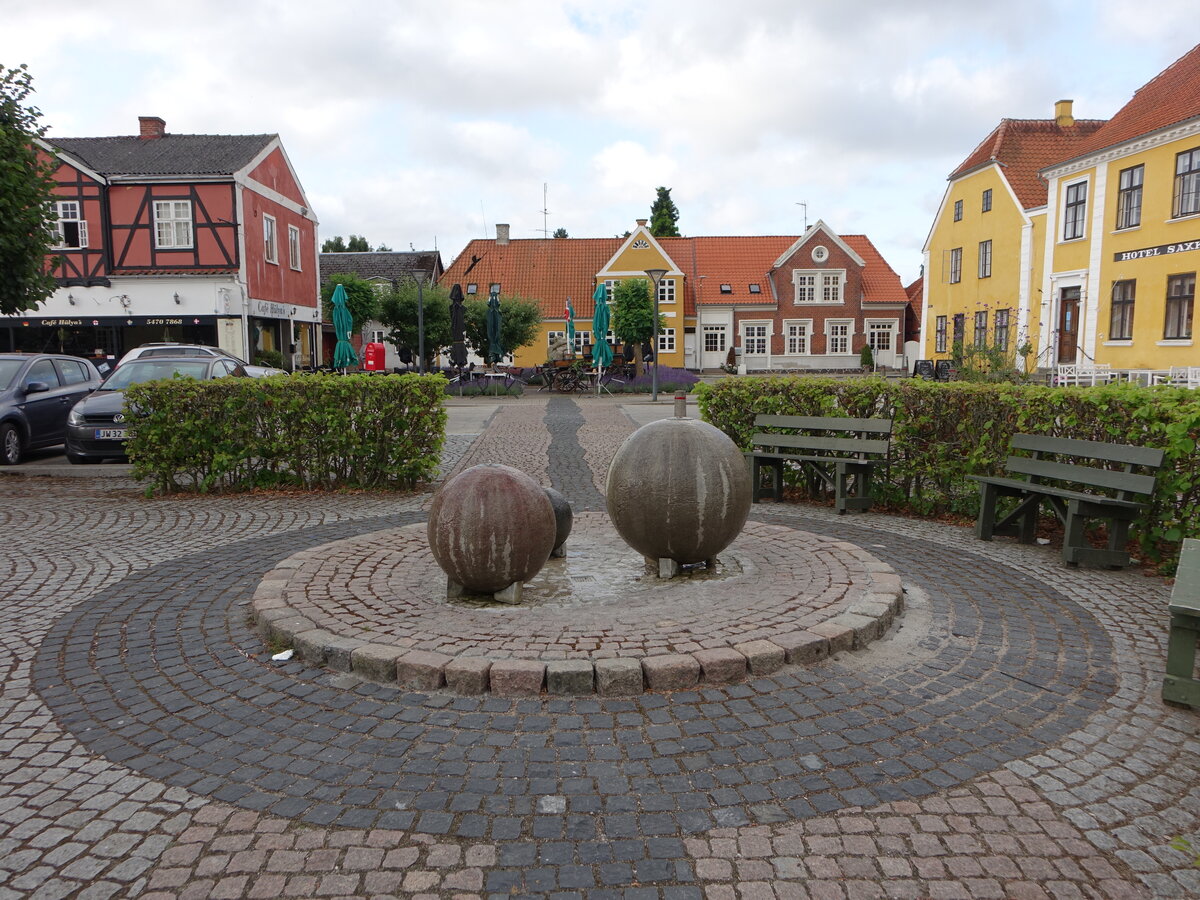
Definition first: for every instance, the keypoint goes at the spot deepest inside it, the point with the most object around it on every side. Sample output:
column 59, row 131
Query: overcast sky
column 426, row 123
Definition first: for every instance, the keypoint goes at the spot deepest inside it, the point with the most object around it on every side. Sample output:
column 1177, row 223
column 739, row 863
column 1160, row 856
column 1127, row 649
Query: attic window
column 756, row 288
column 472, row 288
column 727, row 289
column 494, row 288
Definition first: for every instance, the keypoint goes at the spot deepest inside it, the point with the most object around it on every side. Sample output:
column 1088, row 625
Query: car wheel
column 75, row 459
column 10, row 444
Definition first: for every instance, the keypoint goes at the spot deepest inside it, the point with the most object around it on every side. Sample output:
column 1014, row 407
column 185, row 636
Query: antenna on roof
column 545, row 229
column 805, row 205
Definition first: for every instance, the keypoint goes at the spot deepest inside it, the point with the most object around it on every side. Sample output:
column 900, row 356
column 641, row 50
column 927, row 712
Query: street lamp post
column 655, row 276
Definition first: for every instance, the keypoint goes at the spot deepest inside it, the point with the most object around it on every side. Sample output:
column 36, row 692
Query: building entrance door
column 1068, row 325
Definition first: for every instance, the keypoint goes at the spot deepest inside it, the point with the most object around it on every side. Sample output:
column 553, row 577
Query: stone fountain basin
column 597, row 620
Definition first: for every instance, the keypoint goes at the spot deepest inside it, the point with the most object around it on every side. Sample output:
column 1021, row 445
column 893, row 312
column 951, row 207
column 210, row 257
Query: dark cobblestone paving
column 162, row 675
column 569, row 470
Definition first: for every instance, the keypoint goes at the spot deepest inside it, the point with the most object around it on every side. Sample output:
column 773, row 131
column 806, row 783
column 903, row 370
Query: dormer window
column 472, row 288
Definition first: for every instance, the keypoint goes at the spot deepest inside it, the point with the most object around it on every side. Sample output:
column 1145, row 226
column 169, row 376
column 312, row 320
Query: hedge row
column 312, row 431
column 945, row 432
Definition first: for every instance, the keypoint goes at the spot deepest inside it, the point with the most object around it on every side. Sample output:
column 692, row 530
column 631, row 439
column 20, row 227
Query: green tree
column 633, row 316
column 560, row 233
column 664, row 215
column 27, row 218
column 335, row 244
column 520, row 324
column 357, row 244
column 361, row 299
column 398, row 313
column 384, row 248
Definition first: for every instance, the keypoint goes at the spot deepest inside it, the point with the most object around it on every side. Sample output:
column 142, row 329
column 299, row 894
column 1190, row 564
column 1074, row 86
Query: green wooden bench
column 1057, row 472
column 834, row 452
column 1180, row 684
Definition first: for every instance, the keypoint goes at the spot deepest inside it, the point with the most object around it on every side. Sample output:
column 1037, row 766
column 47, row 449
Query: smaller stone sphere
column 678, row 489
column 563, row 517
column 491, row 526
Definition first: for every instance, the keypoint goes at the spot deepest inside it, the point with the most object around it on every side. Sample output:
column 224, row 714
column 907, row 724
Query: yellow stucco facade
column 1132, row 273
column 979, row 268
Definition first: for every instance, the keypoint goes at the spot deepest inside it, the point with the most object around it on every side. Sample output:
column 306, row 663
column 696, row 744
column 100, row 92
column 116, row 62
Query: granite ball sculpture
column 491, row 529
column 563, row 519
column 678, row 492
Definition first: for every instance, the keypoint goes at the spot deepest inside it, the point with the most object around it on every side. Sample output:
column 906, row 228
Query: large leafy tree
column 398, row 313
column 335, row 244
column 361, row 299
column 356, row 244
column 633, row 316
column 664, row 215
column 26, row 215
column 560, row 233
column 520, row 324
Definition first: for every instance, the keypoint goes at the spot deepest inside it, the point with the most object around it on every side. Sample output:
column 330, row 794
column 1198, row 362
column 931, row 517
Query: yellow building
column 1076, row 239
column 1123, row 233
column 983, row 257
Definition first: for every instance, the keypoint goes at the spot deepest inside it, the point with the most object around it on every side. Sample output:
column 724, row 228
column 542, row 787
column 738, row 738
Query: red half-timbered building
column 180, row 237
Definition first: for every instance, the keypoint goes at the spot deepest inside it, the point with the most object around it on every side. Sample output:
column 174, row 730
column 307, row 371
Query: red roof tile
column 1023, row 147
column 550, row 270
column 1171, row 97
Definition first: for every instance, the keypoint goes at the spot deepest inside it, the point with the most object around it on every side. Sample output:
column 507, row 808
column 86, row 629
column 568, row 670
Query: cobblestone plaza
column 1004, row 739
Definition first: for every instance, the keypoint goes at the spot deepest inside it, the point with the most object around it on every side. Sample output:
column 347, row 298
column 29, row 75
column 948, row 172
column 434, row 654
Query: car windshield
column 138, row 371
column 8, row 371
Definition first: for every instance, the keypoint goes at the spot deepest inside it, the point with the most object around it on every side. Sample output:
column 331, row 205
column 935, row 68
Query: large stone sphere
column 491, row 526
column 563, row 518
column 678, row 489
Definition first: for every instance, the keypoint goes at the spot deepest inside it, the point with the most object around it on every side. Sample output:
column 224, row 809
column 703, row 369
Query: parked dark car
column 37, row 391
column 96, row 426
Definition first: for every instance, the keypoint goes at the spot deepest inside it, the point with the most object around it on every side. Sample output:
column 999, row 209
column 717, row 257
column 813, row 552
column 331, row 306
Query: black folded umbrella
column 458, row 327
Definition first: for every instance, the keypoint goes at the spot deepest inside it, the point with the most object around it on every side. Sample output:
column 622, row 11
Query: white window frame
column 1082, row 184
column 377, row 335
column 610, row 289
column 666, row 290
column 765, row 337
column 666, row 340
column 270, row 239
column 173, row 225
column 831, row 335
column 581, row 338
column 797, row 335
column 822, row 287
column 876, row 327
column 294, row 247
column 955, row 273
column 552, row 336
column 70, row 211
column 985, row 259
column 722, row 335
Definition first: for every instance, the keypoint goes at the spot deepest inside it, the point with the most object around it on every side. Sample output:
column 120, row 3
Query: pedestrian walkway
column 1004, row 739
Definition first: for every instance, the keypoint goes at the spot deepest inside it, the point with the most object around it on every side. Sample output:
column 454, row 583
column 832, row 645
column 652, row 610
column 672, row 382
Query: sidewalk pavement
column 1005, row 739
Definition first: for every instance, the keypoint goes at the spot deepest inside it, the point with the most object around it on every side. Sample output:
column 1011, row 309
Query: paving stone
column 570, row 677
column 671, row 672
column 421, row 670
column 467, row 675
column 618, row 677
column 517, row 677
column 763, row 657
column 376, row 662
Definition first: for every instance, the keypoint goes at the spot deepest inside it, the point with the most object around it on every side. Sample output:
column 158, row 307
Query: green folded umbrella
column 343, row 324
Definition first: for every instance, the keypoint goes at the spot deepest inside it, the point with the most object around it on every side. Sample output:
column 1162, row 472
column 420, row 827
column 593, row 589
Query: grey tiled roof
column 171, row 154
column 384, row 265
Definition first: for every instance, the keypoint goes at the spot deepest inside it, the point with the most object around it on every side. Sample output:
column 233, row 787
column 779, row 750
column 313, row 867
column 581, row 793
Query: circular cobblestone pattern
column 778, row 595
column 163, row 674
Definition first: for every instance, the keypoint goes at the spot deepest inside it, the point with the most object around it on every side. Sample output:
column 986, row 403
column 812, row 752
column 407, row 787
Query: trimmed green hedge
column 309, row 431
column 944, row 432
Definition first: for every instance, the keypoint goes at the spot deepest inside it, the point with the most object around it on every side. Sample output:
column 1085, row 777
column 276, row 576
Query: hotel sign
column 1160, row 250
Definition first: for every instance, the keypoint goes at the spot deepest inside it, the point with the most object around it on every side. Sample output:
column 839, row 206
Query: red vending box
column 374, row 359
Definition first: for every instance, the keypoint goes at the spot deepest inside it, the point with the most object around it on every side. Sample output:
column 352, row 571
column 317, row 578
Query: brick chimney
column 1062, row 113
column 641, row 223
column 501, row 235
column 151, row 127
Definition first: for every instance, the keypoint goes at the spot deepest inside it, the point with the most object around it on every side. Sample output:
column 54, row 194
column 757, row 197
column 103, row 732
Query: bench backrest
column 1125, row 482
column 1185, row 596
column 870, row 437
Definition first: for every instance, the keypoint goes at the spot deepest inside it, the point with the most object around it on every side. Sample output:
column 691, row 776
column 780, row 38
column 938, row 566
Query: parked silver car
column 177, row 350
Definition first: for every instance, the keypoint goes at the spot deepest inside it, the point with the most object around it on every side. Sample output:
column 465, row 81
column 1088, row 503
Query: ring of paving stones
column 161, row 672
column 598, row 619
